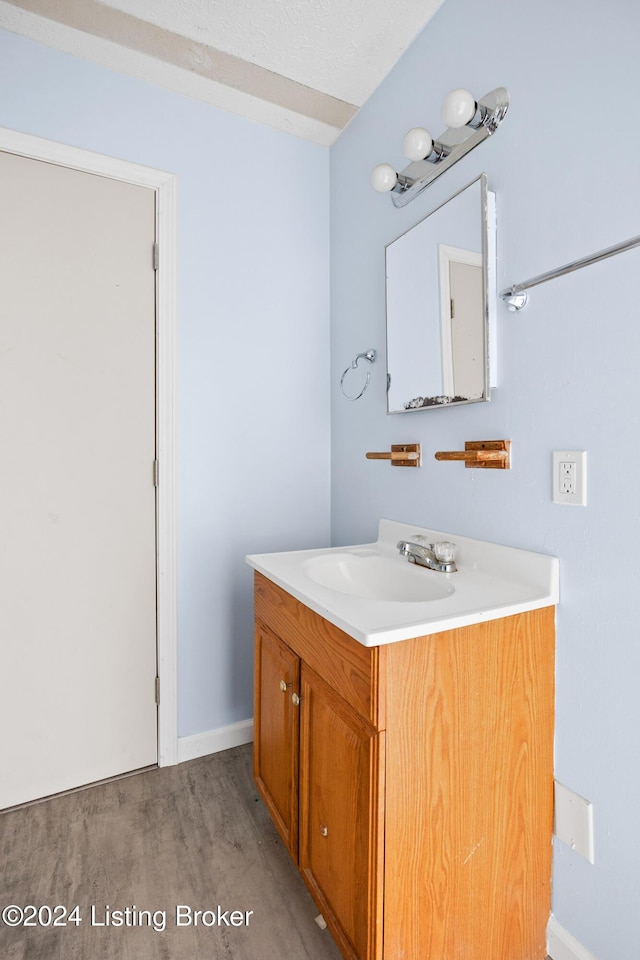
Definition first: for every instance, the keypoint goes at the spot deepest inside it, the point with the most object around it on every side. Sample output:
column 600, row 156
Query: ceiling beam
column 107, row 23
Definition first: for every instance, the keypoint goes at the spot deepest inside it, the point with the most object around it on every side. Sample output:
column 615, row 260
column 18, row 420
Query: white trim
column 37, row 148
column 164, row 184
column 562, row 946
column 167, row 454
column 213, row 741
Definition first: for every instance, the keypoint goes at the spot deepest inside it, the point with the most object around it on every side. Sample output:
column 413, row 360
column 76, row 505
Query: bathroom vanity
column 405, row 753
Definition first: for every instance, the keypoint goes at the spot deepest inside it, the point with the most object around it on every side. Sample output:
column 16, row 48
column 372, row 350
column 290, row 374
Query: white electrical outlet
column 573, row 820
column 570, row 477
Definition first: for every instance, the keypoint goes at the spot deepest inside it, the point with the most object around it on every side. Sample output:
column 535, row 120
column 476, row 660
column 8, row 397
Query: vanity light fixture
column 468, row 121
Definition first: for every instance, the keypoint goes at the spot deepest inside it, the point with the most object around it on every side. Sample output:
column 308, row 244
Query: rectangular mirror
column 441, row 303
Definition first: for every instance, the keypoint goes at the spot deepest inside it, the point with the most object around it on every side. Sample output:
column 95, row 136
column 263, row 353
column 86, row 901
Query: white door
column 462, row 331
column 467, row 329
column 77, row 501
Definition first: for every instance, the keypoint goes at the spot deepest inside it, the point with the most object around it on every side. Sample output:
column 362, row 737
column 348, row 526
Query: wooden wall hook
column 481, row 454
column 401, row 455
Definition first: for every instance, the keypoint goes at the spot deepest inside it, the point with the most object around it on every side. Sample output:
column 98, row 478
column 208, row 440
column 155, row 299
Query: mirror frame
column 488, row 247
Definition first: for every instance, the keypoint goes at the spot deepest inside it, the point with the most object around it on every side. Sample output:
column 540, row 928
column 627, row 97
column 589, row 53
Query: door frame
column 165, row 187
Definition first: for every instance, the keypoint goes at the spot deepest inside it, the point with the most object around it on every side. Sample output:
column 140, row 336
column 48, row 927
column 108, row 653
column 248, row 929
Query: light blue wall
column 564, row 167
column 253, row 339
column 253, row 346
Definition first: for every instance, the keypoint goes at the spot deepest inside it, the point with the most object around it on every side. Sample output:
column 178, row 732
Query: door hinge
column 156, row 473
column 156, row 256
column 157, row 689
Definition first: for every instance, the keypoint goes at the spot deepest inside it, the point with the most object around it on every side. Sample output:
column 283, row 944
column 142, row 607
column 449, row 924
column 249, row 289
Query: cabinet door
column 276, row 720
column 341, row 801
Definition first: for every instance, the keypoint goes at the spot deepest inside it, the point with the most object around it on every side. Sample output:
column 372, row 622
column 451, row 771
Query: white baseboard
column 562, row 946
column 213, row 741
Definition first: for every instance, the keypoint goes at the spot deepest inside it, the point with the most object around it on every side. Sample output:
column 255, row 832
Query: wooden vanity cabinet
column 277, row 677
column 341, row 761
column 317, row 765
column 413, row 782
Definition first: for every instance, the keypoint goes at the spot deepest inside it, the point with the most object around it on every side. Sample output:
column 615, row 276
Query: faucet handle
column 444, row 551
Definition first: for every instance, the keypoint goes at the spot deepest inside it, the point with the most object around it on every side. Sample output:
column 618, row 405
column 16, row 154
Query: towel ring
column 370, row 356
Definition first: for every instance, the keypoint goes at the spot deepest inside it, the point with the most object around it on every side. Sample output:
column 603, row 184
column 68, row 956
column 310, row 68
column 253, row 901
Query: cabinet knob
column 284, row 685
column 295, row 699
column 324, row 830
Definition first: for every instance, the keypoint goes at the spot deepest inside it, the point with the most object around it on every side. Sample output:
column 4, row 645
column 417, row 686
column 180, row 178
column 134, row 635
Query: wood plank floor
column 193, row 835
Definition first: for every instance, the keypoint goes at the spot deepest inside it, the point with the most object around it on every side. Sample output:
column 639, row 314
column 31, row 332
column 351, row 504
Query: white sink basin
column 370, row 575
column 378, row 597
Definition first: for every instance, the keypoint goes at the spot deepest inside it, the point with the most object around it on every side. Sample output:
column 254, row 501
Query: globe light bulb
column 458, row 107
column 417, row 144
column 383, row 178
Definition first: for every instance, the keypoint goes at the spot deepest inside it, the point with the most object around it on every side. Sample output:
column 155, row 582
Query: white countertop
column 491, row 581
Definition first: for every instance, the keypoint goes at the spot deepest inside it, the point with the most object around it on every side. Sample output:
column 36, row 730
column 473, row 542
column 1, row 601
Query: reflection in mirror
column 438, row 305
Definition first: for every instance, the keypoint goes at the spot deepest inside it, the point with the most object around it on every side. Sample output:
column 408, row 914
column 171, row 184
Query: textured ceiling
column 304, row 66
column 342, row 47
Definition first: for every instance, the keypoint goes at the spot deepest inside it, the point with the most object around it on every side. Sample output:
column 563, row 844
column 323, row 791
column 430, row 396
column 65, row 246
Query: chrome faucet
column 434, row 556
